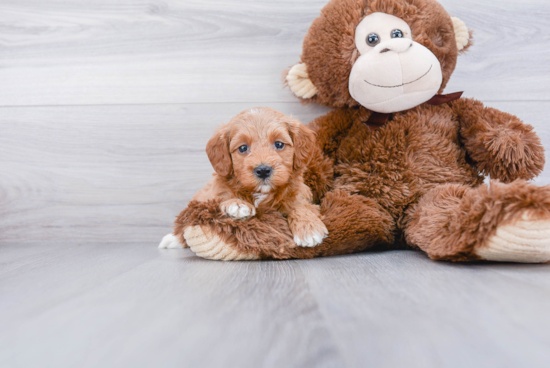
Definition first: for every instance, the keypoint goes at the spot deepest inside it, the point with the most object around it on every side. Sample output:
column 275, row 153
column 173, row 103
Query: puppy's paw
column 238, row 209
column 170, row 241
column 308, row 234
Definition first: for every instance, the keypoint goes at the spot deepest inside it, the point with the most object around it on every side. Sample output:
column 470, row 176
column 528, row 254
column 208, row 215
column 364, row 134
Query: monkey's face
column 385, row 55
column 393, row 73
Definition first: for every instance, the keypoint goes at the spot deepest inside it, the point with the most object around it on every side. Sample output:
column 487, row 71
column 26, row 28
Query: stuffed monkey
column 408, row 161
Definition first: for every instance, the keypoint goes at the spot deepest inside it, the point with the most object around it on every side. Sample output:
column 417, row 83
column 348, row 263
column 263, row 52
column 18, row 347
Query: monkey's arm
column 499, row 143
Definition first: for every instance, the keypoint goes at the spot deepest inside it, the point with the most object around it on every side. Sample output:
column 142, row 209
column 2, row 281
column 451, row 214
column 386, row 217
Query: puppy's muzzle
column 263, row 171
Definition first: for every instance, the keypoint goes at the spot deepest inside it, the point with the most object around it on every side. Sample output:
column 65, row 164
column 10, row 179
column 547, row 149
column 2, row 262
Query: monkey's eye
column 373, row 39
column 279, row 145
column 243, row 148
column 397, row 33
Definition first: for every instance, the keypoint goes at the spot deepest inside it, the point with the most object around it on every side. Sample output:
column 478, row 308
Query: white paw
column 525, row 241
column 170, row 242
column 312, row 240
column 240, row 211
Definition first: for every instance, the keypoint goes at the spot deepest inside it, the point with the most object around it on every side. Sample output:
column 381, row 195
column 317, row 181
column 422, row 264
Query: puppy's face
column 261, row 148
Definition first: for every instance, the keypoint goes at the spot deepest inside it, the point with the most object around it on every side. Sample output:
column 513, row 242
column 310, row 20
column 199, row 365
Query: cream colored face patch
column 382, row 26
column 393, row 73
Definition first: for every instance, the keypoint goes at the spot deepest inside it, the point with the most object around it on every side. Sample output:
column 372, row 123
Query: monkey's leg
column 355, row 223
column 500, row 222
column 211, row 234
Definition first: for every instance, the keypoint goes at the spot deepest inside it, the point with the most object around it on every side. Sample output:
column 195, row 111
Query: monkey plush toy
column 407, row 162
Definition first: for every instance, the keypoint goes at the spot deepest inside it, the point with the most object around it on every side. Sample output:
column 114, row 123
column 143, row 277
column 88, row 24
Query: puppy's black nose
column 263, row 171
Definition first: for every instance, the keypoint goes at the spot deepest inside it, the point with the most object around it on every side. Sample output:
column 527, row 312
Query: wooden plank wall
column 105, row 107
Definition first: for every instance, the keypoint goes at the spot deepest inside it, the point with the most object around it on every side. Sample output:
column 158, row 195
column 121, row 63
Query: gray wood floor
column 105, row 109
column 131, row 305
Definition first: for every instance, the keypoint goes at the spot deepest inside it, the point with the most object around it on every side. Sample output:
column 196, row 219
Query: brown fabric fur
column 236, row 184
column 418, row 179
column 355, row 223
column 329, row 47
column 452, row 219
column 500, row 144
column 234, row 177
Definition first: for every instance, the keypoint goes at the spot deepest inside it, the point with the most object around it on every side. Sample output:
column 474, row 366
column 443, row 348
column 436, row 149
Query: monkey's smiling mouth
column 404, row 84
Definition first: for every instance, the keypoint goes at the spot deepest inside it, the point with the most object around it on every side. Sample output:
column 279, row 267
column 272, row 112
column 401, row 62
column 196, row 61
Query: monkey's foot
column 210, row 246
column 527, row 240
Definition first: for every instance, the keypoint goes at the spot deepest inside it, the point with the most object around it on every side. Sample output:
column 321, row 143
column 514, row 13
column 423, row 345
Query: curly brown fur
column 418, row 178
column 258, row 130
column 319, row 175
column 329, row 47
column 398, row 163
column 501, row 144
column 453, row 220
column 355, row 223
column 247, row 144
column 268, row 228
column 268, row 236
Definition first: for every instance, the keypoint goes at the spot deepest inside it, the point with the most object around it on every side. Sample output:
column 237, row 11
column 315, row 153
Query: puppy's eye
column 397, row 33
column 279, row 145
column 243, row 148
column 373, row 39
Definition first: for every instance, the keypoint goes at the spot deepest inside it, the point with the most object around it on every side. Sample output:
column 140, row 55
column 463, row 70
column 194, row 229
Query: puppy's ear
column 218, row 153
column 304, row 142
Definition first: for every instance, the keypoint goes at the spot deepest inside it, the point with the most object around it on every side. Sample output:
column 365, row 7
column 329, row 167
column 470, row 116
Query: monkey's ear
column 462, row 34
column 218, row 153
column 299, row 82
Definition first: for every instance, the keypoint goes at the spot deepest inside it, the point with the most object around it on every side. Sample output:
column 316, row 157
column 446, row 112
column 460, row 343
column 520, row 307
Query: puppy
column 259, row 159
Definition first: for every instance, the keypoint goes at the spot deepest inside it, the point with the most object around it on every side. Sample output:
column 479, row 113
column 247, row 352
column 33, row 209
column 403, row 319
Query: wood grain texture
column 56, row 52
column 106, row 173
column 105, row 110
column 122, row 173
column 131, row 305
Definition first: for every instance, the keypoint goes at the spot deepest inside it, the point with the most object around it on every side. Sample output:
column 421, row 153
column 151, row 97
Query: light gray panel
column 106, row 173
column 131, row 305
column 103, row 52
column 395, row 309
column 122, row 173
column 510, row 56
column 86, row 192
column 130, row 51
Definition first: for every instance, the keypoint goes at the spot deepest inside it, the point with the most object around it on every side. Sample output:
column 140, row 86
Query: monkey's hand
column 500, row 144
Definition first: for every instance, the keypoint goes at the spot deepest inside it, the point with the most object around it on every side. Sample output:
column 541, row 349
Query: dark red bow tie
column 377, row 120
